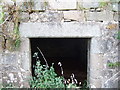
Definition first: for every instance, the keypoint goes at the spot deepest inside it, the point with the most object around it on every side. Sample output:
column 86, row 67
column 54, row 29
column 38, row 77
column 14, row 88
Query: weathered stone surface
column 74, row 15
column 115, row 6
column 10, row 68
column 59, row 30
column 104, row 46
column 1, row 44
column 24, row 17
column 27, row 5
column 90, row 4
column 25, row 61
column 87, row 4
column 19, row 2
column 34, row 17
column 112, row 82
column 107, row 45
column 9, row 27
column 95, row 45
column 95, row 83
column 100, row 16
column 109, row 49
column 26, row 76
column 96, row 61
column 25, row 42
column 0, row 78
column 51, row 16
column 16, row 79
column 10, row 59
column 11, row 77
column 108, row 73
column 1, row 67
column 10, row 44
column 96, row 73
column 62, row 4
column 8, row 2
column 1, row 59
column 39, row 5
column 24, row 5
column 116, row 16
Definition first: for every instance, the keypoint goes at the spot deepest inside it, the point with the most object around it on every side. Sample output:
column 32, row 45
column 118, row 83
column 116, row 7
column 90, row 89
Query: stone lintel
column 73, row 29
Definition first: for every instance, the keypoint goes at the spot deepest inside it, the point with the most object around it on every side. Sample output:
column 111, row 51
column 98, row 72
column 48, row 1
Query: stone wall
column 96, row 19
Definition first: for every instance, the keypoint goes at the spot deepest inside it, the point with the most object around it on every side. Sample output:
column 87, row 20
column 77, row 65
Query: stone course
column 62, row 4
column 74, row 15
column 100, row 16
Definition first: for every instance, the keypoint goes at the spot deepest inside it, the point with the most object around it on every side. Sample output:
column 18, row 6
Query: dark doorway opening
column 71, row 52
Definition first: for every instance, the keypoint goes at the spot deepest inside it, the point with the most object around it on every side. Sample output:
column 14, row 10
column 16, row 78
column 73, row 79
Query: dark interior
column 71, row 52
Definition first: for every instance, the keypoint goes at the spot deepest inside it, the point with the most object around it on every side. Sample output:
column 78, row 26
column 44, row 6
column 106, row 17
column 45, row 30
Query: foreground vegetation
column 46, row 77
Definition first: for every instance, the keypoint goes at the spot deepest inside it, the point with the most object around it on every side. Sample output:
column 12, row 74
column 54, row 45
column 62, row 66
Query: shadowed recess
column 71, row 52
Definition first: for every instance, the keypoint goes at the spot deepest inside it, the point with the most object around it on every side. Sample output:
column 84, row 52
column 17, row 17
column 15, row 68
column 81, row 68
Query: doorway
column 71, row 52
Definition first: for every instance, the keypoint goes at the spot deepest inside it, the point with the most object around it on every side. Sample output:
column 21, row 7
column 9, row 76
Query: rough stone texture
column 109, row 46
column 35, row 5
column 95, row 45
column 25, row 61
column 24, row 5
column 8, row 2
column 10, row 44
column 9, row 27
column 112, row 82
column 115, row 6
column 51, row 16
column 0, row 78
column 96, row 65
column 116, row 16
column 10, row 59
column 47, row 16
column 74, row 15
column 1, row 61
column 25, row 42
column 100, row 16
column 62, row 4
column 1, row 44
column 10, row 68
column 38, row 5
column 95, row 83
column 24, row 17
column 88, row 4
column 11, row 77
column 34, row 17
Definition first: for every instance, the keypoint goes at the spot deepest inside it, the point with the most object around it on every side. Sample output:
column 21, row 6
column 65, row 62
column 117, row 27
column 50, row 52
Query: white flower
column 59, row 64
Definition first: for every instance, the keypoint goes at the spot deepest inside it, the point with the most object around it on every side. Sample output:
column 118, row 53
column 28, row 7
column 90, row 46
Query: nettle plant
column 46, row 77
